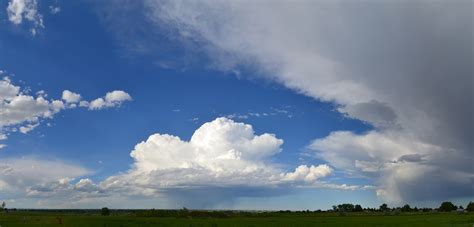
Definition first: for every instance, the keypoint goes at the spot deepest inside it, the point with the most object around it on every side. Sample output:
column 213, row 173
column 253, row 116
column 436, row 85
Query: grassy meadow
column 273, row 219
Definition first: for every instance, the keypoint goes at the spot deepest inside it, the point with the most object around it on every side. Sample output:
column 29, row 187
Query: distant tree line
column 348, row 207
column 444, row 207
column 185, row 213
column 341, row 208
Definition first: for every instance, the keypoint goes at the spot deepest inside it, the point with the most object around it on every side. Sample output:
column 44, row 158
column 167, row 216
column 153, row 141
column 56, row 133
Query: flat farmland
column 268, row 219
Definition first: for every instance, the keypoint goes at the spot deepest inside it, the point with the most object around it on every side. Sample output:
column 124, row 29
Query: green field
column 273, row 219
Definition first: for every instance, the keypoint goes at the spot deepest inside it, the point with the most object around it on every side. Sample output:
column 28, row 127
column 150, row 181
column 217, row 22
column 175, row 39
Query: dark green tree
column 105, row 211
column 470, row 207
column 447, row 207
column 406, row 208
column 346, row 207
column 384, row 207
column 358, row 208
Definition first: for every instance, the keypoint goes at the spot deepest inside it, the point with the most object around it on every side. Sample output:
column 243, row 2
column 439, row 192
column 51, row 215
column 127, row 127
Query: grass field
column 313, row 219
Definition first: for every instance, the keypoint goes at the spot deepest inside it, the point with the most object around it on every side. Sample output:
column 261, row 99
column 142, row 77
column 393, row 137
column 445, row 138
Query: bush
column 358, row 208
column 105, row 211
column 384, row 207
column 470, row 207
column 346, row 207
column 406, row 208
column 447, row 207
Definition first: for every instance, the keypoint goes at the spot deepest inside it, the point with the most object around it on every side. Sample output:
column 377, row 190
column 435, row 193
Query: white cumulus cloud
column 20, row 111
column 221, row 153
column 71, row 97
column 308, row 174
column 19, row 10
column 223, row 157
column 111, row 99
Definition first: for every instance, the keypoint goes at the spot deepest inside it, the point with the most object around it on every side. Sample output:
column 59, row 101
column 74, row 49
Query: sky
column 236, row 104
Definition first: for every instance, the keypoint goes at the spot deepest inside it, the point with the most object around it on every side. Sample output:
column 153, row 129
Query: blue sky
column 341, row 116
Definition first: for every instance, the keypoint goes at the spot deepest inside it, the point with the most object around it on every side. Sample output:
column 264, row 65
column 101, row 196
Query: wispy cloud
column 272, row 112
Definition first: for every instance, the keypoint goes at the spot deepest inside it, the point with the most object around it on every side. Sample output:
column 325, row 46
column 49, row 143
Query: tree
column 105, row 211
column 346, row 207
column 470, row 207
column 3, row 205
column 358, row 208
column 406, row 208
column 447, row 207
column 384, row 207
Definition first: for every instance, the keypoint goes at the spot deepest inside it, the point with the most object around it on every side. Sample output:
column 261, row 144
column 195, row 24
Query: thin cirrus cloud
column 405, row 68
column 22, row 112
column 223, row 157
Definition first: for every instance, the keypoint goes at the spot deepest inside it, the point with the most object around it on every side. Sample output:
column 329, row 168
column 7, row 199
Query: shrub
column 384, row 207
column 406, row 208
column 470, row 207
column 447, row 207
column 105, row 211
column 358, row 208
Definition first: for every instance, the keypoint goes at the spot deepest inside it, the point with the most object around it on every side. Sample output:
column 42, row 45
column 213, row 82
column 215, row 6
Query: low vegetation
column 340, row 215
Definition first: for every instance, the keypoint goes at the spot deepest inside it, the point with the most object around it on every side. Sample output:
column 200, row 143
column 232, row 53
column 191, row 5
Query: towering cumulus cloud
column 223, row 158
column 222, row 161
column 403, row 67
